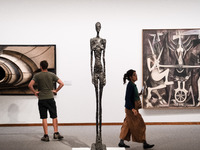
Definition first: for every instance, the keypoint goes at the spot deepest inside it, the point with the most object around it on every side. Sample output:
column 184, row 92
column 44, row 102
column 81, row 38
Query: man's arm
column 32, row 82
column 61, row 84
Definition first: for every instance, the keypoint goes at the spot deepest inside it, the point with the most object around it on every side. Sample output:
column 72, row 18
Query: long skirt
column 133, row 126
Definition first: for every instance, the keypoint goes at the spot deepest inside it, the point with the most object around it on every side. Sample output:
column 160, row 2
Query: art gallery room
column 159, row 39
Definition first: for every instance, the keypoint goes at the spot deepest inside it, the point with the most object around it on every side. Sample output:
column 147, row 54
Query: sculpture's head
column 98, row 26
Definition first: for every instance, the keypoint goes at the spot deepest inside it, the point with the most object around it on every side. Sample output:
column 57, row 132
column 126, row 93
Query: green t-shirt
column 45, row 82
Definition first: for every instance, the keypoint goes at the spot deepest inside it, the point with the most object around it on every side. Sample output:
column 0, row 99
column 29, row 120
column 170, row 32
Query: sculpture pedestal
column 108, row 148
column 94, row 147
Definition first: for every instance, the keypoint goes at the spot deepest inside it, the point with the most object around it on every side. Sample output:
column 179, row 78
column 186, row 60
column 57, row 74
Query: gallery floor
column 165, row 137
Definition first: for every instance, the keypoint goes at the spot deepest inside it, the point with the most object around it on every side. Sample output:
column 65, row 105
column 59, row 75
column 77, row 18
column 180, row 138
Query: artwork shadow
column 73, row 142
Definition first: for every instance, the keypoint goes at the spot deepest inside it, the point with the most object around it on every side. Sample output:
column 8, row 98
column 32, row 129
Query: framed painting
column 18, row 64
column 171, row 68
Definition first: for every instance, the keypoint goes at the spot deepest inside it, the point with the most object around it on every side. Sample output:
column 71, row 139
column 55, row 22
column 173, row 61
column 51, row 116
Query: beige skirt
column 133, row 126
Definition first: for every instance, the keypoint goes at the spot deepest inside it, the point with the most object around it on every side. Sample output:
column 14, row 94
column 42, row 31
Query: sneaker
column 123, row 145
column 45, row 138
column 57, row 136
column 145, row 146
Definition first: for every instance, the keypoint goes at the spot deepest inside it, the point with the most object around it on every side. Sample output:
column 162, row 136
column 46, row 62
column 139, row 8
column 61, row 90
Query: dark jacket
column 131, row 95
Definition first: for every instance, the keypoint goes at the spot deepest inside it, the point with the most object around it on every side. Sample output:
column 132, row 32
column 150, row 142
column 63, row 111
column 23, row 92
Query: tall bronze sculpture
column 98, row 73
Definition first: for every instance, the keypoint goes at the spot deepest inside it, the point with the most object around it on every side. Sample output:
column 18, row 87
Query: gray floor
column 165, row 137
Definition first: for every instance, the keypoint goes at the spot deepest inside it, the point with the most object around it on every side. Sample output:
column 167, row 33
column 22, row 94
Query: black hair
column 44, row 64
column 127, row 75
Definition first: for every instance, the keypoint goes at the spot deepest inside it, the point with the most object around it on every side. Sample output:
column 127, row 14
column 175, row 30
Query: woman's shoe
column 145, row 146
column 123, row 145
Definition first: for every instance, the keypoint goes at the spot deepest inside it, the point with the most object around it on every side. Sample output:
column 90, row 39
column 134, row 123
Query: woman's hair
column 44, row 64
column 127, row 75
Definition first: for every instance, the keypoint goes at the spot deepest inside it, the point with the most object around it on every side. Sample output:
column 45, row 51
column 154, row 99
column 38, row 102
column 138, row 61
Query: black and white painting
column 18, row 64
column 171, row 68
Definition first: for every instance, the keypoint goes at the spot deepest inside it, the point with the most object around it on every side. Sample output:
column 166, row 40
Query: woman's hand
column 141, row 92
column 135, row 112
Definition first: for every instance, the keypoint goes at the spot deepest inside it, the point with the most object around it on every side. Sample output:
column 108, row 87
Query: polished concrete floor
column 165, row 137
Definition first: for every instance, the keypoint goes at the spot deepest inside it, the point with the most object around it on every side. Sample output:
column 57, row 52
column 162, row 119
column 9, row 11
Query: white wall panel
column 70, row 24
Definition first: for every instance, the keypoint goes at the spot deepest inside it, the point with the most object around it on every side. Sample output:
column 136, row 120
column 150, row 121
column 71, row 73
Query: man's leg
column 55, row 124
column 45, row 126
column 56, row 134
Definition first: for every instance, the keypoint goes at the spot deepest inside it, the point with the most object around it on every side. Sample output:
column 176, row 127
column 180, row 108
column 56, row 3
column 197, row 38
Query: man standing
column 45, row 81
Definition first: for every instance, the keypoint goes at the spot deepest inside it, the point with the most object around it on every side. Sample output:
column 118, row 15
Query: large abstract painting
column 18, row 64
column 171, row 68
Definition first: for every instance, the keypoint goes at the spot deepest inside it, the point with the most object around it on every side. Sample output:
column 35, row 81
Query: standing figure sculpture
column 98, row 73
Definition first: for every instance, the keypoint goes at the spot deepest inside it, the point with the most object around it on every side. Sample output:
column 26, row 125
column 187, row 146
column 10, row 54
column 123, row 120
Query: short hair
column 44, row 64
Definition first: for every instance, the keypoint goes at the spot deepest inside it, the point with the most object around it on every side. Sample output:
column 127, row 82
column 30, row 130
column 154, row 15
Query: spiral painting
column 18, row 64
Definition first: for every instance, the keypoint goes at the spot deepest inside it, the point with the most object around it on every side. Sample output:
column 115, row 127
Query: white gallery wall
column 70, row 24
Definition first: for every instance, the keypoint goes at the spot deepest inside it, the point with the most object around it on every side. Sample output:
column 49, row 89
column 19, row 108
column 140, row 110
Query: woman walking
column 133, row 125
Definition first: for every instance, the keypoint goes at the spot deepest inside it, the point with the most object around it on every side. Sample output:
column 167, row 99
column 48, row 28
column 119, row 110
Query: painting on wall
column 171, row 68
column 18, row 64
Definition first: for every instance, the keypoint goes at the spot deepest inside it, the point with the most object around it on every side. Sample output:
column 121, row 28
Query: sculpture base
column 108, row 148
column 97, row 147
